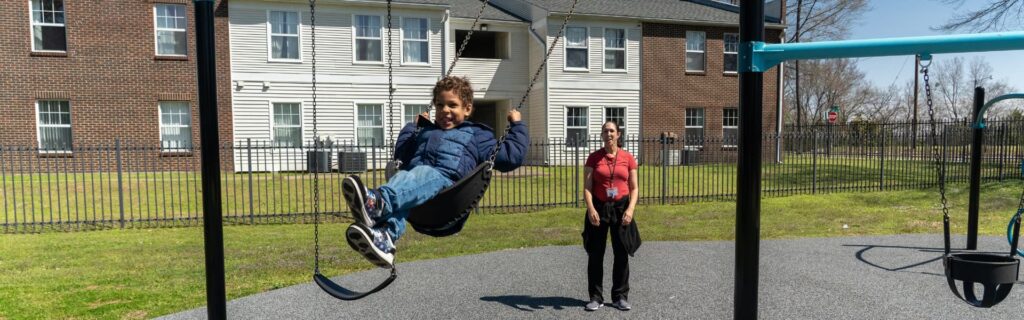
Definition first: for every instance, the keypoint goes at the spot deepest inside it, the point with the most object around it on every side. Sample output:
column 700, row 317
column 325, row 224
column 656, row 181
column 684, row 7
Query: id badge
column 612, row 193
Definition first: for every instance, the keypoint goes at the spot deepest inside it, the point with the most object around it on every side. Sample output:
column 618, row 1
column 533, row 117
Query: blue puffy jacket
column 457, row 151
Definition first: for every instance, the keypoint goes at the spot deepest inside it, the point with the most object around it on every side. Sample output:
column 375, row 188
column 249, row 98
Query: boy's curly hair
column 459, row 85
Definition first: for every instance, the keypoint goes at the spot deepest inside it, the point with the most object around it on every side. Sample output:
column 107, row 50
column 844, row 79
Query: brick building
column 83, row 74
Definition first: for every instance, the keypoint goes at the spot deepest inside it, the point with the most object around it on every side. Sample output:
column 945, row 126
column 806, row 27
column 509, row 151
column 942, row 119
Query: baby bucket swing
column 446, row 213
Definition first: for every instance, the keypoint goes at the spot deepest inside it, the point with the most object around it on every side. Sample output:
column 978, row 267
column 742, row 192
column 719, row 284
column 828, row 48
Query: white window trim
column 586, row 126
column 270, row 37
column 737, row 127
column 383, row 24
column 703, row 126
column 32, row 29
column 724, row 53
column 624, row 49
column 39, row 127
column 430, row 111
column 702, row 52
column 160, row 121
column 624, row 115
column 565, row 49
column 157, row 29
column 401, row 43
column 383, row 122
column 302, row 122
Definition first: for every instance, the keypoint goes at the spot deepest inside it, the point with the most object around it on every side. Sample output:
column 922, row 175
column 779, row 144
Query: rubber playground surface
column 886, row 277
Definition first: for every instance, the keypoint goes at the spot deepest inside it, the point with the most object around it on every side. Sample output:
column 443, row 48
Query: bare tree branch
column 997, row 15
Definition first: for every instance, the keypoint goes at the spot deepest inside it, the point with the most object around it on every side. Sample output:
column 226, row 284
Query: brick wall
column 110, row 74
column 668, row 89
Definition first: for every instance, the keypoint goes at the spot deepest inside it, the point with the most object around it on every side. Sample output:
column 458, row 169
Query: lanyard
column 611, row 169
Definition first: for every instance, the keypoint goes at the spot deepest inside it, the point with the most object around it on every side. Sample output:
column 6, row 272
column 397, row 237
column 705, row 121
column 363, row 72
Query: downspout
column 780, row 82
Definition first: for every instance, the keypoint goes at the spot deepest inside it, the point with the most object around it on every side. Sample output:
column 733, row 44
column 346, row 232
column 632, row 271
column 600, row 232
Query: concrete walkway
column 891, row 277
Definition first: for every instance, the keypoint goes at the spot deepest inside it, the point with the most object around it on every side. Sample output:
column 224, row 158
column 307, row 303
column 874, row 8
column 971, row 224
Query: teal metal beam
column 764, row 56
column 980, row 124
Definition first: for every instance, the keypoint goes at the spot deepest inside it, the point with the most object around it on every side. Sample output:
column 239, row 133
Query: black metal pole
column 213, row 234
column 748, row 186
column 976, row 145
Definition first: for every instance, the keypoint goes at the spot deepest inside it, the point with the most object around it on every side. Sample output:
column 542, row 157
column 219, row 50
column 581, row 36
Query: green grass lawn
column 143, row 273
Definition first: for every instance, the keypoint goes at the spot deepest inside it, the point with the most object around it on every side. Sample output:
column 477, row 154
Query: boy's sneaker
column 593, row 305
column 364, row 203
column 374, row 244
column 622, row 304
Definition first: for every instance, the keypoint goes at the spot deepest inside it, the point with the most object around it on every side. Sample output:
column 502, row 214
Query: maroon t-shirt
column 603, row 165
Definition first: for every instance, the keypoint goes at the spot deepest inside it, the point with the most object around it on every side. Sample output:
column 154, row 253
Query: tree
column 997, row 15
column 953, row 87
column 816, row 20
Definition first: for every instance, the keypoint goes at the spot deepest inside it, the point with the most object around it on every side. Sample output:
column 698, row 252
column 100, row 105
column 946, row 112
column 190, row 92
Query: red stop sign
column 832, row 115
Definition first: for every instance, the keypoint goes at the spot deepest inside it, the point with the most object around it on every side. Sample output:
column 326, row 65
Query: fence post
column 120, row 181
column 664, row 166
column 248, row 157
column 881, row 165
column 576, row 171
column 1002, row 146
column 814, row 162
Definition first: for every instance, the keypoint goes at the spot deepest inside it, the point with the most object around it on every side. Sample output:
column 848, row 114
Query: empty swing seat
column 995, row 273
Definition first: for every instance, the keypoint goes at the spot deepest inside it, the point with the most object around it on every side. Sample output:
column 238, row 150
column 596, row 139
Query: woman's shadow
column 529, row 303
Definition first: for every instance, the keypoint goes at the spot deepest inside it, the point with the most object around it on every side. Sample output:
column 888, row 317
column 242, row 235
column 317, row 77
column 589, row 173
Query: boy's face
column 450, row 110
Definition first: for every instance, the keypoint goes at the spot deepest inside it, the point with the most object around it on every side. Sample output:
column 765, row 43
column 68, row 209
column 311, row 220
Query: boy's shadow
column 528, row 303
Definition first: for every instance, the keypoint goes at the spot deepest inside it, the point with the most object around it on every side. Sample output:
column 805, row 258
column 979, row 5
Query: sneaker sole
column 594, row 309
column 361, row 241
column 353, row 191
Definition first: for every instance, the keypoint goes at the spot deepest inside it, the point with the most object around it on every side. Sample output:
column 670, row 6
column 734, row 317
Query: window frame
column 605, row 49
column 406, row 106
column 735, row 127
column 726, row 52
column 623, row 126
column 32, row 27
column 356, row 38
column 157, row 29
column 383, row 123
column 302, row 121
column 704, row 52
column 162, row 125
column 298, row 35
column 566, row 47
column 702, row 127
column 585, row 127
column 39, row 128
column 402, row 39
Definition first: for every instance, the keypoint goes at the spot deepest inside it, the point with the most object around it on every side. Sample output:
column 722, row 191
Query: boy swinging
column 433, row 158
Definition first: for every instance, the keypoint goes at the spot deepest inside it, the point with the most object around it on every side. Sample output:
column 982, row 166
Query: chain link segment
column 316, row 139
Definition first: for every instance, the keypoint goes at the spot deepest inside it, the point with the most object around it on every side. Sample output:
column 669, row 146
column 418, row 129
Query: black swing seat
column 996, row 274
column 446, row 213
column 340, row 292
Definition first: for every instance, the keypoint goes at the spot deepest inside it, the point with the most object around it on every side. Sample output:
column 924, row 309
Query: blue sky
column 905, row 18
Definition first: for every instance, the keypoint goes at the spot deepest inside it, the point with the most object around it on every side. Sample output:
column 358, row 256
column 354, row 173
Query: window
column 576, row 127
column 730, row 126
column 175, row 126
column 48, row 33
column 170, row 29
column 284, row 35
column 694, row 127
column 411, row 110
column 617, row 114
column 732, row 48
column 415, row 41
column 54, row 123
column 615, row 49
column 368, row 41
column 287, row 126
column 370, row 126
column 576, row 48
column 695, row 51
column 483, row 44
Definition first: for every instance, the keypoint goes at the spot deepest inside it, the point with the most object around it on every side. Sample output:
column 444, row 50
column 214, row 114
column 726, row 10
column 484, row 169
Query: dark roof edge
column 674, row 21
column 730, row 8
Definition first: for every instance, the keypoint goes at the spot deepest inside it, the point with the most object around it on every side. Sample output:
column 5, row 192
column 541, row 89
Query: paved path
column 891, row 277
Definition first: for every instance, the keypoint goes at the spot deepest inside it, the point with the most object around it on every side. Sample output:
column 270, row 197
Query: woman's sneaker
column 593, row 305
column 622, row 304
column 364, row 203
column 372, row 243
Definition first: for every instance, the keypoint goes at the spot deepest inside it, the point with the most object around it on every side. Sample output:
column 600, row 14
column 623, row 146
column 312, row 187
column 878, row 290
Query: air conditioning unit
column 351, row 161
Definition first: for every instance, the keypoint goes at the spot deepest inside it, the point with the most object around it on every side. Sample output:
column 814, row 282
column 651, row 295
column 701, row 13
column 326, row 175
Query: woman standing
column 610, row 191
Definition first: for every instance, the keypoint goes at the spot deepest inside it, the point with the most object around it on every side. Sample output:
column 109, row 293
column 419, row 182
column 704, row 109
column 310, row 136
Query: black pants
column 595, row 239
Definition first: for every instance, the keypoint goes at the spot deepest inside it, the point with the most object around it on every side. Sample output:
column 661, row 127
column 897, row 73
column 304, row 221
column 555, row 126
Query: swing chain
column 536, row 75
column 316, row 138
column 391, row 81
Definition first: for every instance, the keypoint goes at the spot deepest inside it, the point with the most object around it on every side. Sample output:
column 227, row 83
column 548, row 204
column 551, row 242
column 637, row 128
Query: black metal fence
column 125, row 185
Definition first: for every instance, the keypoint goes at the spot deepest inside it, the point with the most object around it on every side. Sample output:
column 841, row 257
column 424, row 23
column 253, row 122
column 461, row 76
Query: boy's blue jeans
column 407, row 190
